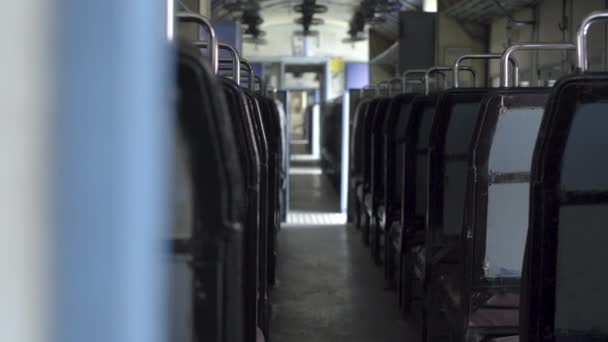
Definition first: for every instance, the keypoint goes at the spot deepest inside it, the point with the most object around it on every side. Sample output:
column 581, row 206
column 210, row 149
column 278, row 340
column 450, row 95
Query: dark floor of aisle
column 329, row 290
column 313, row 193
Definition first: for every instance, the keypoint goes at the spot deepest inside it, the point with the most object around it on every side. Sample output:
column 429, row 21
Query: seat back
column 331, row 141
column 357, row 140
column 373, row 121
column 395, row 123
column 262, row 140
column 273, row 122
column 414, row 165
column 501, row 181
column 377, row 153
column 486, row 267
column 566, row 258
column 378, row 144
column 451, row 136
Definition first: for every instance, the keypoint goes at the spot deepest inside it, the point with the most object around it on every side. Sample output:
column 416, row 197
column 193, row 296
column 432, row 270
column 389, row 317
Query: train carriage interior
column 304, row 171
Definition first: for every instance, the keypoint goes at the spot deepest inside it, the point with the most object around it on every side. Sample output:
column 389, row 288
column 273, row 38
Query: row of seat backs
column 260, row 117
column 464, row 103
column 236, row 173
column 268, row 140
column 570, row 186
column 204, row 140
column 489, row 209
column 502, row 166
column 391, row 132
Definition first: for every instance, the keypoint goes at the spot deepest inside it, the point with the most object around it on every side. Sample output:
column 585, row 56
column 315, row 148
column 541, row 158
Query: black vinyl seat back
column 378, row 211
column 255, row 108
column 409, row 234
column 373, row 120
column 209, row 175
column 377, row 151
column 357, row 140
column 357, row 152
column 486, row 270
column 415, row 142
column 195, row 79
column 272, row 124
column 393, row 160
column 564, row 286
column 366, row 141
column 331, row 141
column 392, row 183
column 451, row 136
column 499, row 205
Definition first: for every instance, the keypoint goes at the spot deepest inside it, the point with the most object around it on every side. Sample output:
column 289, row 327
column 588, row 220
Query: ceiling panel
column 281, row 11
column 484, row 11
column 338, row 10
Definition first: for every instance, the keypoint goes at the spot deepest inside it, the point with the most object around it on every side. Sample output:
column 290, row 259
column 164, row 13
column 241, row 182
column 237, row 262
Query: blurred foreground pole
column 112, row 142
column 25, row 116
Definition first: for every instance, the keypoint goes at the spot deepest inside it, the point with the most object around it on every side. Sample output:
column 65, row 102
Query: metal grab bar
column 406, row 73
column 370, row 87
column 436, row 69
column 384, row 84
column 251, row 74
column 186, row 17
column 483, row 56
column 244, row 65
column 235, row 58
column 506, row 56
column 393, row 81
column 259, row 80
column 581, row 37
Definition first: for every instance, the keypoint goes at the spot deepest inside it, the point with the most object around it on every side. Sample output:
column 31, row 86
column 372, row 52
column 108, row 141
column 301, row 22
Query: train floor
column 328, row 288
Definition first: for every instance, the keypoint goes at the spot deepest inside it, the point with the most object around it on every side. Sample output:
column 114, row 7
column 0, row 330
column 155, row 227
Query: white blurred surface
column 25, row 57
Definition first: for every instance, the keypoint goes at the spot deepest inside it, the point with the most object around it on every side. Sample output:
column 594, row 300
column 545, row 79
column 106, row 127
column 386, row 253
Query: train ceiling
column 382, row 15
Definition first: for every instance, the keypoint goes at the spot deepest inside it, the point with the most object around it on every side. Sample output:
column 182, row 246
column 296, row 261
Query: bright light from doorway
column 429, row 6
column 170, row 14
column 314, row 219
column 305, row 171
